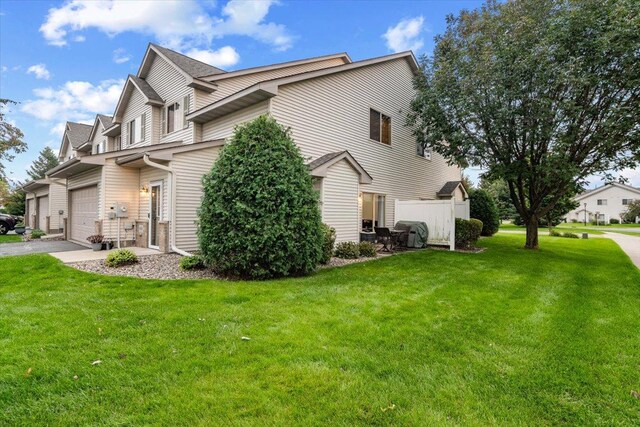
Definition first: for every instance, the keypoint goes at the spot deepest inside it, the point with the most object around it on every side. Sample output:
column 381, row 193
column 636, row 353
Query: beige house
column 175, row 114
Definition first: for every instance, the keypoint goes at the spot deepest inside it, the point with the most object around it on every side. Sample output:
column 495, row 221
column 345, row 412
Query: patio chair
column 384, row 236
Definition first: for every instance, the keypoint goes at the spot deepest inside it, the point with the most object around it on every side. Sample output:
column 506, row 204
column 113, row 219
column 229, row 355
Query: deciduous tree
column 11, row 141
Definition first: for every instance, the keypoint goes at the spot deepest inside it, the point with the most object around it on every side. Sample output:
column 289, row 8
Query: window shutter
column 186, row 101
column 143, row 126
column 163, row 120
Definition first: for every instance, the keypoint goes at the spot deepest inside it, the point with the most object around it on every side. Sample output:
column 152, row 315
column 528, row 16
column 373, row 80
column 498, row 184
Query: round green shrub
column 260, row 215
column 328, row 242
column 570, row 235
column 37, row 233
column 467, row 232
column 555, row 233
column 120, row 257
column 194, row 262
column 347, row 250
column 484, row 208
column 367, row 250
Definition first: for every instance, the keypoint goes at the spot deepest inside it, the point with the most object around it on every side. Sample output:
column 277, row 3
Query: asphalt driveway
column 38, row 247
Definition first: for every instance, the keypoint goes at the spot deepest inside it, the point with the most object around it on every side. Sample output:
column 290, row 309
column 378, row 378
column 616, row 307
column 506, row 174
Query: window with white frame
column 174, row 115
column 136, row 130
column 422, row 151
column 373, row 210
column 602, row 202
column 626, row 202
column 379, row 127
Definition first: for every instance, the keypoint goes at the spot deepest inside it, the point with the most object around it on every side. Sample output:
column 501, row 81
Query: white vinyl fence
column 439, row 215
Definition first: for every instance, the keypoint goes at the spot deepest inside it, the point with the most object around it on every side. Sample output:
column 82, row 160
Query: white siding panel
column 171, row 85
column 232, row 85
column 223, row 127
column 122, row 185
column 331, row 113
column 134, row 109
column 43, row 212
column 340, row 201
column 57, row 203
column 189, row 169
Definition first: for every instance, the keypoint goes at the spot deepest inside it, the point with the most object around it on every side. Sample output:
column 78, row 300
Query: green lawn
column 512, row 227
column 507, row 336
column 9, row 238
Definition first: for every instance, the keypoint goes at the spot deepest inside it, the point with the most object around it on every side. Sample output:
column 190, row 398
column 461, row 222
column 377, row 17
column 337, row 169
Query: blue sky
column 68, row 60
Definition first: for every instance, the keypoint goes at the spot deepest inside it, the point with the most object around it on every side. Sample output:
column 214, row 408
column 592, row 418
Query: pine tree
column 46, row 160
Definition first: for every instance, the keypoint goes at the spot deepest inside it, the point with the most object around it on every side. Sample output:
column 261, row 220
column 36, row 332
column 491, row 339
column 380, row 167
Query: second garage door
column 43, row 212
column 83, row 212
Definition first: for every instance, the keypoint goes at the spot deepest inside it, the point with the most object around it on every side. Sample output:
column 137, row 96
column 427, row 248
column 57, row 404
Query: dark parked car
column 7, row 223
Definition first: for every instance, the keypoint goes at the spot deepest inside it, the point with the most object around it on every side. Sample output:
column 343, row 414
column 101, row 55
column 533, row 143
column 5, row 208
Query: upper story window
column 118, row 143
column 602, row 202
column 626, row 202
column 136, row 130
column 174, row 115
column 379, row 127
column 423, row 152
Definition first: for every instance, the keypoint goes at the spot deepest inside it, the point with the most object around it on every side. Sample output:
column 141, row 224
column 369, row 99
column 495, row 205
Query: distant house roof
column 78, row 133
column 191, row 66
column 450, row 187
column 320, row 166
column 604, row 187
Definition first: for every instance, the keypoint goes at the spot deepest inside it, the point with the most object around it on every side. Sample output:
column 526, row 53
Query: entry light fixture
column 144, row 189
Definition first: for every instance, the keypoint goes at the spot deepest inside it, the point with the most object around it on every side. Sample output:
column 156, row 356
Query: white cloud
column 405, row 35
column 76, row 101
column 120, row 56
column 4, row 68
column 79, row 39
column 224, row 57
column 40, row 71
column 181, row 25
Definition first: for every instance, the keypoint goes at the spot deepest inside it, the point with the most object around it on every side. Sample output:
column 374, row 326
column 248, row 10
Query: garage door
column 84, row 212
column 43, row 212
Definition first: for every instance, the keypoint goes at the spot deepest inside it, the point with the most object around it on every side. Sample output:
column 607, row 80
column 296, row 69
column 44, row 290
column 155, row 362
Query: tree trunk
column 532, row 233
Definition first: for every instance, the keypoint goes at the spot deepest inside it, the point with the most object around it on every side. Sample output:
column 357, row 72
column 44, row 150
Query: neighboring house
column 174, row 115
column 603, row 203
column 46, row 199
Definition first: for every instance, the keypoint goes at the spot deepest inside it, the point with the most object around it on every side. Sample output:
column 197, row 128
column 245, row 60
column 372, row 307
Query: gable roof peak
column 188, row 65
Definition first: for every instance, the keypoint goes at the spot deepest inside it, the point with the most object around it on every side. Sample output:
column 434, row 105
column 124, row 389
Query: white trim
column 160, row 216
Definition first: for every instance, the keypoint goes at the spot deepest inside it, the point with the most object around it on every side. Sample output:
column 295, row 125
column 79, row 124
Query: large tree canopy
column 541, row 93
column 10, row 137
column 46, row 160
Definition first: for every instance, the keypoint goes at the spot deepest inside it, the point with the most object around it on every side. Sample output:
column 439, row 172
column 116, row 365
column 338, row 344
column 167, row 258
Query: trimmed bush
column 37, row 233
column 194, row 262
column 120, row 257
column 467, row 232
column 328, row 242
column 260, row 216
column 347, row 250
column 614, row 221
column 555, row 233
column 367, row 250
column 570, row 235
column 483, row 207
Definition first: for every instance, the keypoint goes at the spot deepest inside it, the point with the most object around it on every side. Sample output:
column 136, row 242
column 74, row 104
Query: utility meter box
column 119, row 210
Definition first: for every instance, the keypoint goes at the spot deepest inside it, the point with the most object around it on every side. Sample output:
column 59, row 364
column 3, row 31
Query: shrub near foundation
column 120, row 257
column 260, row 216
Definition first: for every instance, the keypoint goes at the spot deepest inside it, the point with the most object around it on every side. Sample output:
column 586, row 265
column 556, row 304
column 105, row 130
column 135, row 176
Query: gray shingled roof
column 448, row 188
column 146, row 88
column 323, row 159
column 191, row 66
column 107, row 121
column 78, row 133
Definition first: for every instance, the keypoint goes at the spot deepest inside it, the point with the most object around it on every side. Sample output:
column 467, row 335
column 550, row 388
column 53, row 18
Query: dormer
column 74, row 137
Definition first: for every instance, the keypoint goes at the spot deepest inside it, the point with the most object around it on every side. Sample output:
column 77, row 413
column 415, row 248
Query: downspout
column 172, row 204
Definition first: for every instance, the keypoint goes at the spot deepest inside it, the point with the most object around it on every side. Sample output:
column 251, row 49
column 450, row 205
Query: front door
column 155, row 211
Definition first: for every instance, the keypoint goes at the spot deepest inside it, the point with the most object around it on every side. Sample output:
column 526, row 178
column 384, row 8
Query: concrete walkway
column 68, row 257
column 37, row 247
column 629, row 244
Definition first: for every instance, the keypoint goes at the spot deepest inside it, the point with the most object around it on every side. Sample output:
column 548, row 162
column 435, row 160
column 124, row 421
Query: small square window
column 379, row 127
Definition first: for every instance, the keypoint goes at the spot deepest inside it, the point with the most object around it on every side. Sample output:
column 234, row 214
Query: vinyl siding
column 135, row 108
column 171, row 85
column 232, row 85
column 189, row 169
column 223, row 126
column 340, row 191
column 57, row 202
column 331, row 113
column 121, row 185
column 98, row 138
